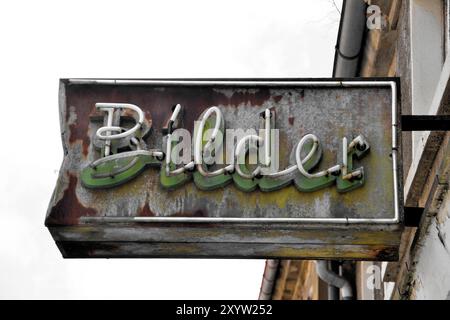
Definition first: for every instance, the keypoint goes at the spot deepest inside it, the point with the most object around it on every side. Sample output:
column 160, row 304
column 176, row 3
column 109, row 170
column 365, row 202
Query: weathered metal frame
column 256, row 238
column 272, row 83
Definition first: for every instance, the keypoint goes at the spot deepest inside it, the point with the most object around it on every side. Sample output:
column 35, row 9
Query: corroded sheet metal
column 81, row 219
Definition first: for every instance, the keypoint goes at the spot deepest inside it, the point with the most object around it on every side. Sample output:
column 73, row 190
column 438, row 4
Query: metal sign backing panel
column 328, row 109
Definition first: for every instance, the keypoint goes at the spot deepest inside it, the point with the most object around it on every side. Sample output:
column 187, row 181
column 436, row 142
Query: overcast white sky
column 42, row 41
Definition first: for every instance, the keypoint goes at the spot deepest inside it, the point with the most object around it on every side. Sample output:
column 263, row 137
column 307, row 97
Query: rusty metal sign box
column 141, row 218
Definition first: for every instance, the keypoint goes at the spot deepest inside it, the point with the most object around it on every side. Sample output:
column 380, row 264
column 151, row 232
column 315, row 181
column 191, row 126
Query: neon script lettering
column 215, row 156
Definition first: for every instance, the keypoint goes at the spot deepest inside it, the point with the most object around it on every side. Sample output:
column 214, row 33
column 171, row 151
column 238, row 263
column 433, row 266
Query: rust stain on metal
column 277, row 98
column 156, row 102
column 68, row 209
column 251, row 97
column 196, row 213
column 291, row 120
column 146, row 212
column 79, row 126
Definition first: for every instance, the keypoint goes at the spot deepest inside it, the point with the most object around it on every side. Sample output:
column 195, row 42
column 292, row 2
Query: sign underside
column 143, row 217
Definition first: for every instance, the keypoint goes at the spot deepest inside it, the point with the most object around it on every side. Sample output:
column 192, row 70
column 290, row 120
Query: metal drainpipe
column 350, row 38
column 333, row 292
column 346, row 64
column 334, row 279
column 268, row 281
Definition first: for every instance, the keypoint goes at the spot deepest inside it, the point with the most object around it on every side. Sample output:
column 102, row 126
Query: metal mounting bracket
column 413, row 215
column 425, row 123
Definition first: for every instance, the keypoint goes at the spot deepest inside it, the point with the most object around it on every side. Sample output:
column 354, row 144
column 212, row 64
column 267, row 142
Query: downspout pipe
column 334, row 279
column 269, row 278
column 349, row 44
column 347, row 57
column 334, row 293
column 346, row 63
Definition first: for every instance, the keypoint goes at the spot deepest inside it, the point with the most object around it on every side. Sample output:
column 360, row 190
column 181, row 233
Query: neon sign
column 235, row 168
column 215, row 156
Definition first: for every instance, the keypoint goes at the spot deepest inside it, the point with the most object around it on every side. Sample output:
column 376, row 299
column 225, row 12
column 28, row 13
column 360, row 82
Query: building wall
column 297, row 281
column 426, row 271
column 431, row 275
column 412, row 45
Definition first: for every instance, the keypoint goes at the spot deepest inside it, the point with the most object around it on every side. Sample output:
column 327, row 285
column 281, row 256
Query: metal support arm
column 413, row 215
column 425, row 123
